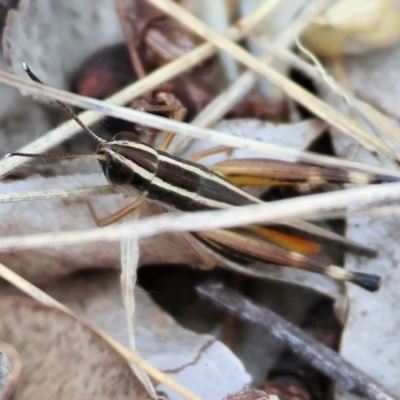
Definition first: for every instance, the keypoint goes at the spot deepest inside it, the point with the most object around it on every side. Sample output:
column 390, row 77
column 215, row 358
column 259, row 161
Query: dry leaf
column 251, row 394
column 73, row 214
column 374, row 78
column 62, row 358
column 298, row 135
column 20, row 118
column 354, row 26
column 187, row 357
column 370, row 332
column 200, row 362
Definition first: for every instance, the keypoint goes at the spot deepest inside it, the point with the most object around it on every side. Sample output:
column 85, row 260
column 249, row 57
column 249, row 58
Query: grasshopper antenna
column 66, row 108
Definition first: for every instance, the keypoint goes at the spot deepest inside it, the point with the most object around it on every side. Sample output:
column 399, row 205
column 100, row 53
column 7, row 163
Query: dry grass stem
column 315, row 105
column 377, row 211
column 275, row 212
column 229, row 97
column 250, row 22
column 48, row 194
column 375, row 117
column 336, row 88
column 129, row 264
column 65, row 131
column 165, row 124
column 319, row 206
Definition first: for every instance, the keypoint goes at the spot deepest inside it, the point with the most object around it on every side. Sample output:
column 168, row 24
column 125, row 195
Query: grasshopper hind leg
column 369, row 282
column 244, row 249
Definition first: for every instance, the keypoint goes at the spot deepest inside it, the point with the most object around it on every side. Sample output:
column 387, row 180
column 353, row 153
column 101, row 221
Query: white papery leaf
column 370, row 336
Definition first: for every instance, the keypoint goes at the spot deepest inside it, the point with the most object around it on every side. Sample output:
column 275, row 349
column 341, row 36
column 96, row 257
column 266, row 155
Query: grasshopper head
column 126, row 161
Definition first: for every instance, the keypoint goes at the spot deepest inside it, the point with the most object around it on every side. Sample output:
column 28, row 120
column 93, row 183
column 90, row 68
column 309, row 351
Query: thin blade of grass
column 266, row 213
column 318, row 107
column 165, row 124
column 68, row 129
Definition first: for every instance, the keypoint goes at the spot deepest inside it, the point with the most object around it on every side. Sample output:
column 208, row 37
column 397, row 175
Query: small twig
column 320, row 357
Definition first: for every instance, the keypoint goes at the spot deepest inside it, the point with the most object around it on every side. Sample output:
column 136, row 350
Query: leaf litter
column 72, row 361
column 361, row 340
column 188, row 356
column 113, row 254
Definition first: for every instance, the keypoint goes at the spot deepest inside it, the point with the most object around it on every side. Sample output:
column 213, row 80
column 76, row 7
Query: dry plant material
column 305, row 207
column 288, row 387
column 316, row 106
column 61, row 357
column 67, row 130
column 163, row 40
column 129, row 356
column 65, row 215
column 354, row 26
column 104, row 73
column 291, row 377
column 251, row 394
column 157, row 122
column 320, row 357
column 198, row 362
column 373, row 77
column 110, row 69
column 371, row 329
column 243, row 84
column 368, row 68
column 272, row 250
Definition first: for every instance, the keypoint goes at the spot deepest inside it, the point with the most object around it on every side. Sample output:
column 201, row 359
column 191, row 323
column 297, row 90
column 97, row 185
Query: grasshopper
column 136, row 168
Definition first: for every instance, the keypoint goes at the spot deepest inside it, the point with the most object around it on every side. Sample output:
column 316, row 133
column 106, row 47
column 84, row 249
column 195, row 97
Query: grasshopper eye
column 128, row 136
column 118, row 172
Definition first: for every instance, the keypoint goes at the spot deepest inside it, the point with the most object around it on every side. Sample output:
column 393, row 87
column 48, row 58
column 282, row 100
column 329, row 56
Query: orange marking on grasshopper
column 288, row 242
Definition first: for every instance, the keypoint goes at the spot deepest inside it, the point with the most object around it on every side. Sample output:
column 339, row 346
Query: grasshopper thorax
column 127, row 162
